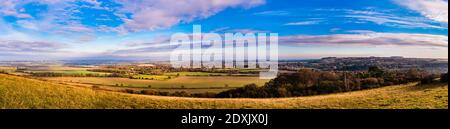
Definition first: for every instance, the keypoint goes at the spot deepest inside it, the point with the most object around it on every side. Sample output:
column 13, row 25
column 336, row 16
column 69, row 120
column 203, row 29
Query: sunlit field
column 179, row 82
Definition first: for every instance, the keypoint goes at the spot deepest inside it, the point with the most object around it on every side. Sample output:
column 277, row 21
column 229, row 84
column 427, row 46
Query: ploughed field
column 20, row 92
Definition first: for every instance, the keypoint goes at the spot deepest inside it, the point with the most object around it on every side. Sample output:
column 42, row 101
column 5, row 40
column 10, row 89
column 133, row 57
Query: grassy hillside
column 18, row 92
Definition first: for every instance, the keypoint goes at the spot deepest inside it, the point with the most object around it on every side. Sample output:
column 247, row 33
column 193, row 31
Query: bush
column 204, row 95
column 376, row 72
column 95, row 87
column 248, row 91
column 427, row 80
column 149, row 92
column 181, row 94
column 369, row 83
column 130, row 91
column 444, row 78
column 283, row 92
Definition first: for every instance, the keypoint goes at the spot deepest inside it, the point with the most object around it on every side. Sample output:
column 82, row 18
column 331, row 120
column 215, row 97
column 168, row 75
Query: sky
column 141, row 29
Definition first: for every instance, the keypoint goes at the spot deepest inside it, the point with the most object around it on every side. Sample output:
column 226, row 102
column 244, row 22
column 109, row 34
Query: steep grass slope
column 19, row 92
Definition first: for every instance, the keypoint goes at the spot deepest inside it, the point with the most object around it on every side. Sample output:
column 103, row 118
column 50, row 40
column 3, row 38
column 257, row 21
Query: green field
column 65, row 70
column 179, row 82
column 168, row 76
column 19, row 92
column 70, row 72
column 204, row 74
column 153, row 77
column 195, row 74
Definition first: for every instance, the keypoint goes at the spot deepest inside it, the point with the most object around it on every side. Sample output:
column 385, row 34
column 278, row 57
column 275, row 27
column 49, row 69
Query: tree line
column 53, row 74
column 310, row 82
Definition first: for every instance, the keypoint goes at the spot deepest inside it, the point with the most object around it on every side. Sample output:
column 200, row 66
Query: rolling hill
column 25, row 93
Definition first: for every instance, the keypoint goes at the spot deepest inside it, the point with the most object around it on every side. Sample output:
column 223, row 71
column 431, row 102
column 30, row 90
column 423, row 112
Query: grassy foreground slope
column 18, row 92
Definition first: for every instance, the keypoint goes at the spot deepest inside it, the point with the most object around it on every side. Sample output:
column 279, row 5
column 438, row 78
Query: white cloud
column 157, row 14
column 7, row 8
column 59, row 19
column 137, row 15
column 433, row 9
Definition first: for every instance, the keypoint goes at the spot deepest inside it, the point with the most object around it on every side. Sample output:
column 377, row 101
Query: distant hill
column 19, row 92
column 431, row 65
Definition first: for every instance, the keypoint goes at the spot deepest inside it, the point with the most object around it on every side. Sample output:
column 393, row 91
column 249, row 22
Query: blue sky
column 71, row 29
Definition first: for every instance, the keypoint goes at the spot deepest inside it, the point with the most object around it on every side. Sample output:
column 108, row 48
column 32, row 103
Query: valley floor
column 23, row 93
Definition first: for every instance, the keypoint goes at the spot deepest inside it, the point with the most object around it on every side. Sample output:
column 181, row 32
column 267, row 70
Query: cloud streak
column 24, row 46
column 433, row 9
column 359, row 39
column 157, row 14
column 302, row 23
column 395, row 21
column 369, row 39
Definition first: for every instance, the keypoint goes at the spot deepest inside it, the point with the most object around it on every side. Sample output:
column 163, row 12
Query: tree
column 444, row 77
column 369, row 83
column 306, row 78
column 375, row 71
column 413, row 75
column 427, row 80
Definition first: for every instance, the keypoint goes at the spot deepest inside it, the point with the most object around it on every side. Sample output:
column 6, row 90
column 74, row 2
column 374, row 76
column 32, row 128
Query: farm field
column 153, row 77
column 205, row 74
column 168, row 76
column 60, row 69
column 69, row 72
column 19, row 92
column 179, row 82
column 7, row 69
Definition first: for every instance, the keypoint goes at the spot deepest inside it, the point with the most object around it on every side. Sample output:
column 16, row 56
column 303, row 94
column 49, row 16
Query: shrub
column 375, row 72
column 413, row 75
column 181, row 94
column 427, row 80
column 130, row 91
column 204, row 95
column 369, row 83
column 248, row 91
column 149, row 92
column 283, row 92
column 444, row 77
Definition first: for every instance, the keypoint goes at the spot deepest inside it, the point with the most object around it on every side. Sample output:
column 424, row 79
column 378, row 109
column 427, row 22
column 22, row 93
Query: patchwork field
column 69, row 72
column 19, row 92
column 179, row 82
column 60, row 69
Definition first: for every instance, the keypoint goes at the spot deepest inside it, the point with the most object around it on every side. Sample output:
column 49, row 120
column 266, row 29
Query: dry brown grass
column 18, row 92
